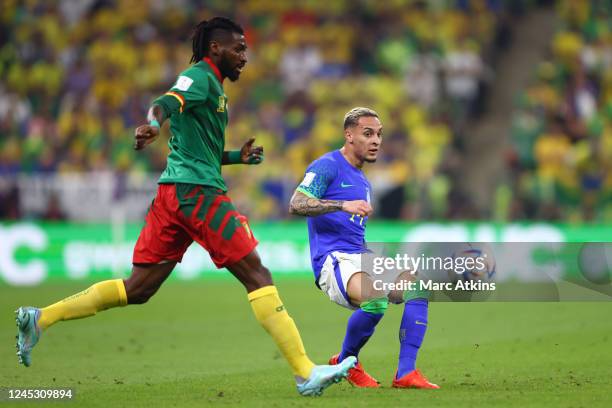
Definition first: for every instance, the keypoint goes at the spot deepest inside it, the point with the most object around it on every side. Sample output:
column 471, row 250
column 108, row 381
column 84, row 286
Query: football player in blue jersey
column 335, row 196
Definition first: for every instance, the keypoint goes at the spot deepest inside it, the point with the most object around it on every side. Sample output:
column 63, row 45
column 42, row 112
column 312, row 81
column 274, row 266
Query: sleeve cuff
column 233, row 157
column 306, row 193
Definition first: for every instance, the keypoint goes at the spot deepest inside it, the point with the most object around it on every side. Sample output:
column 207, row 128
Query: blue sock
column 411, row 334
column 360, row 327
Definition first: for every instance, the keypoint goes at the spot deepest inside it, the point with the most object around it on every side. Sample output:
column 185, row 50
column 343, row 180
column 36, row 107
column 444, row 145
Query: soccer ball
column 473, row 261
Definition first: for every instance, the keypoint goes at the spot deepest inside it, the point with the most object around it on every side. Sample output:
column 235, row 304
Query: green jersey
column 197, row 107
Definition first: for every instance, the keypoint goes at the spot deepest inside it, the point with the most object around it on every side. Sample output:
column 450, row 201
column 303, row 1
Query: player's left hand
column 250, row 154
column 145, row 135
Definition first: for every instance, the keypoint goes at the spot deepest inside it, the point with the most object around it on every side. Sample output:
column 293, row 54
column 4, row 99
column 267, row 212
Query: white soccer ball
column 473, row 261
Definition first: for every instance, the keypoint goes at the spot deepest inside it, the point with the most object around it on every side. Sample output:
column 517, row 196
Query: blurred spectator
column 463, row 70
column 423, row 79
column 299, row 65
column 54, row 210
column 9, row 201
column 581, row 97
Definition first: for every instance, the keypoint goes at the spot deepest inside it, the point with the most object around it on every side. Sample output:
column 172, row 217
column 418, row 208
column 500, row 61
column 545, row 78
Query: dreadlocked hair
column 206, row 31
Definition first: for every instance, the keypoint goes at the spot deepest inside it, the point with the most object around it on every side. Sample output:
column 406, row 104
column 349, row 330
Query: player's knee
column 360, row 288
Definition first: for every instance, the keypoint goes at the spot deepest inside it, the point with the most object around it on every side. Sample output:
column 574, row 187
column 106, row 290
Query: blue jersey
column 332, row 177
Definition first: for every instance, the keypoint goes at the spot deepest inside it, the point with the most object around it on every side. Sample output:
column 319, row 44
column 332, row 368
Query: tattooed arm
column 301, row 204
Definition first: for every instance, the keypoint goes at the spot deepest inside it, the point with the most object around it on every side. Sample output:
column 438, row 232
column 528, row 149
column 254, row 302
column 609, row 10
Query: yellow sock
column 101, row 296
column 271, row 314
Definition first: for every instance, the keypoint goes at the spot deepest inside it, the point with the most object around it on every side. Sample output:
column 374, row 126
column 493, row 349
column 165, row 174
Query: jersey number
column 359, row 216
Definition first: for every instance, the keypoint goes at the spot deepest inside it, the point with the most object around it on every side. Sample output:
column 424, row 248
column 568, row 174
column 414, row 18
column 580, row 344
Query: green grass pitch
column 197, row 344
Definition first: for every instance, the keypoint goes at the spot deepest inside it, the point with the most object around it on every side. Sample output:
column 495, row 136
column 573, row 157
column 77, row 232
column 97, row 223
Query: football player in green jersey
column 191, row 205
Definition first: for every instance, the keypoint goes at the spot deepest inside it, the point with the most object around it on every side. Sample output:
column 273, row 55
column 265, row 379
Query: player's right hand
column 144, row 135
column 359, row 207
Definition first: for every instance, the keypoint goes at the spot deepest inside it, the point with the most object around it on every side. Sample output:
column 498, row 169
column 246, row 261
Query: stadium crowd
column 78, row 76
column 561, row 159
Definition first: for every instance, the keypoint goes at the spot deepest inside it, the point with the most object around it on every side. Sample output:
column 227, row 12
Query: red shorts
column 183, row 213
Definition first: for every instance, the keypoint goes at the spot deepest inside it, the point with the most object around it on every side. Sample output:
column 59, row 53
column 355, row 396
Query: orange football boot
column 413, row 379
column 357, row 375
